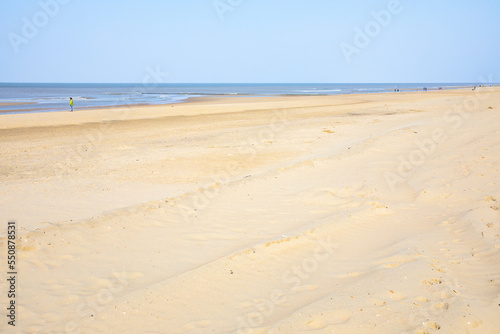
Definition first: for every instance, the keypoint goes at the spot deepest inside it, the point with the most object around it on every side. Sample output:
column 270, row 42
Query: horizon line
column 246, row 83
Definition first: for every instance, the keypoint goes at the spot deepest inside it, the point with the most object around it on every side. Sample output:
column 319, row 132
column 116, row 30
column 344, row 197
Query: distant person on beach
column 71, row 103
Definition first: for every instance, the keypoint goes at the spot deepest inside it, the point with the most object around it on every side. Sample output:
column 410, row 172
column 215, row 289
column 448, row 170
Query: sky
column 249, row 41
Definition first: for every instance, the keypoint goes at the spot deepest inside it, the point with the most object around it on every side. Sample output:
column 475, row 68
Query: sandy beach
column 374, row 213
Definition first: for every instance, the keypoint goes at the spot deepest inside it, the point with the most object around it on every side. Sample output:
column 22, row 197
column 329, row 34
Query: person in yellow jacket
column 71, row 103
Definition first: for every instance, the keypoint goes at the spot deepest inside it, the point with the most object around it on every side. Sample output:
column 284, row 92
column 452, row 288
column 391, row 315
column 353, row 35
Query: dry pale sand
column 341, row 214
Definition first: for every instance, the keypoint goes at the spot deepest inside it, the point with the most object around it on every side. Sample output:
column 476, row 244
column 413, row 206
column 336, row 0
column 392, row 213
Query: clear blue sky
column 257, row 41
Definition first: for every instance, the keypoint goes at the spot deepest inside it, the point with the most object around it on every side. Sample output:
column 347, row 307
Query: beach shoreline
column 350, row 213
column 123, row 112
column 51, row 97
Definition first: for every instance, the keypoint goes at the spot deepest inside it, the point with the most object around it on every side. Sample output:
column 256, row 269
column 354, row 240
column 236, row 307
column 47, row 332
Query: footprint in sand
column 441, row 306
column 445, row 294
column 436, row 267
column 422, row 299
column 432, row 281
column 397, row 296
column 318, row 321
column 335, row 317
column 432, row 324
column 317, row 324
column 397, row 261
column 380, row 208
column 338, row 317
column 422, row 331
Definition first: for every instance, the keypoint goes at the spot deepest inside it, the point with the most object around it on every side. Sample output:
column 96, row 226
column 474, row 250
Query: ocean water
column 40, row 97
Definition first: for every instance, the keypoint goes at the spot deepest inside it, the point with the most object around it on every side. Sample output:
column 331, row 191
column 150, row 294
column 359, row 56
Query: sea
column 49, row 97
